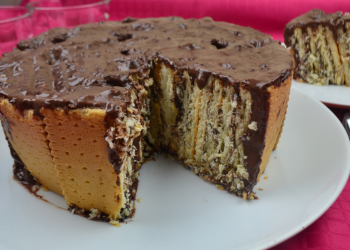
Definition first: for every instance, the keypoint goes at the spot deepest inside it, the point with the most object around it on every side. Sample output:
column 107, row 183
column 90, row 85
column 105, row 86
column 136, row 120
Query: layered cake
column 320, row 44
column 83, row 108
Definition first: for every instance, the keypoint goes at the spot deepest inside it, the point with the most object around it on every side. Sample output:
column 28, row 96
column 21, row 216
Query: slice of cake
column 83, row 108
column 320, row 44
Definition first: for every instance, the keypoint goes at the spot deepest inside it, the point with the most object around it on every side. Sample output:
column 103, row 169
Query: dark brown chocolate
column 313, row 19
column 102, row 217
column 88, row 66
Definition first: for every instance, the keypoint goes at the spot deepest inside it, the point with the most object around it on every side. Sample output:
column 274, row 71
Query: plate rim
column 327, row 103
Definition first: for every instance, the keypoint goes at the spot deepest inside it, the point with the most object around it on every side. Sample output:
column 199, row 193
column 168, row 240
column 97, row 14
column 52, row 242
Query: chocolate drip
column 115, row 160
column 23, row 176
column 254, row 141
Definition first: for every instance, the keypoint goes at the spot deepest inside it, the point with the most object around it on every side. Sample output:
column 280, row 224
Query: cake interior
column 317, row 53
column 200, row 127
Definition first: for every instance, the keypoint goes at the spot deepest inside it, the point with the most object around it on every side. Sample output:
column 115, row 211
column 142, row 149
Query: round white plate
column 180, row 211
column 331, row 95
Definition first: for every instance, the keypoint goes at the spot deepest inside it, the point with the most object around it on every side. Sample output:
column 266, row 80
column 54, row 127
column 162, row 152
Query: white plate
column 180, row 211
column 331, row 95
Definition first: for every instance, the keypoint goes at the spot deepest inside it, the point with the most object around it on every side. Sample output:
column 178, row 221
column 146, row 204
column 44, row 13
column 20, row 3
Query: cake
column 320, row 45
column 83, row 108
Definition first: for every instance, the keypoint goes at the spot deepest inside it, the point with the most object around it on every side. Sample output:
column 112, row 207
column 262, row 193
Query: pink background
column 332, row 230
column 269, row 16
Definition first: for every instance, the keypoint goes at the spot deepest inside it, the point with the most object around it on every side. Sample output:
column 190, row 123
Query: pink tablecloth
column 332, row 230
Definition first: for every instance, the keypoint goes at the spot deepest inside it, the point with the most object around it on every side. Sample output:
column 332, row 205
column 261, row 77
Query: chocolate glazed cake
column 83, row 108
column 320, row 44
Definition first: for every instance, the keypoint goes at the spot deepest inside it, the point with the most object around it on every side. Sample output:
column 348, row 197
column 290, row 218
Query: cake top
column 315, row 17
column 90, row 65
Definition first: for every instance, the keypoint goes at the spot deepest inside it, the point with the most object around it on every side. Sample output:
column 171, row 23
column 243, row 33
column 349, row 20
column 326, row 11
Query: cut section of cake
column 320, row 44
column 84, row 108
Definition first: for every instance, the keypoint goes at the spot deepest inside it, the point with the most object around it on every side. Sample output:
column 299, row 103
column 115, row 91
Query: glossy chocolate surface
column 89, row 66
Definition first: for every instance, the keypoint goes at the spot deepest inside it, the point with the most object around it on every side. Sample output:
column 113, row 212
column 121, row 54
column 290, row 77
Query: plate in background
column 331, row 95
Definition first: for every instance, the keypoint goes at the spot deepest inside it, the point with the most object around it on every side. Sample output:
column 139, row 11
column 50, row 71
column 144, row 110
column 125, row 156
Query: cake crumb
column 114, row 223
column 220, row 187
column 129, row 110
column 45, row 188
column 94, row 213
column 260, row 189
column 251, row 196
column 234, row 104
column 265, row 177
column 253, row 126
column 139, row 200
column 244, row 195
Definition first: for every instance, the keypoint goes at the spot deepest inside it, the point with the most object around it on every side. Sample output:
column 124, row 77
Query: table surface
column 331, row 230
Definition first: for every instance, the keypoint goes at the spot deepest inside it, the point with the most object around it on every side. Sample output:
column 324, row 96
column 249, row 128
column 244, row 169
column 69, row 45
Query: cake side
column 28, row 138
column 278, row 103
column 79, row 152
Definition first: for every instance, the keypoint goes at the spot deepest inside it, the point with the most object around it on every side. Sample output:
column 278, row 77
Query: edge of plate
column 327, row 103
column 337, row 192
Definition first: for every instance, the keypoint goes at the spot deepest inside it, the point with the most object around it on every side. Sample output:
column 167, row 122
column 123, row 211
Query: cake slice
column 320, row 43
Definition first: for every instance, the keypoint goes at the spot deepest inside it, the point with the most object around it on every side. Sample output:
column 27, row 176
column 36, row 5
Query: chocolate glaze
column 313, row 19
column 88, row 66
column 115, row 160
